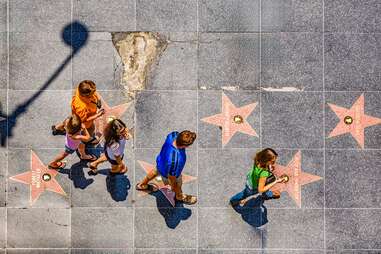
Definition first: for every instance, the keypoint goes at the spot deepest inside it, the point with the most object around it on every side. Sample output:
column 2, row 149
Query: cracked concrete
column 138, row 51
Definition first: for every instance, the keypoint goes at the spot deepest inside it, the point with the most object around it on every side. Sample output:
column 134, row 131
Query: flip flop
column 149, row 188
column 62, row 166
column 56, row 132
column 93, row 170
column 93, row 158
column 188, row 200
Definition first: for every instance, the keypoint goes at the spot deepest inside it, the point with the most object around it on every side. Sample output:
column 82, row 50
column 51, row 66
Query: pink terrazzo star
column 40, row 178
column 158, row 183
column 353, row 121
column 116, row 111
column 232, row 119
column 297, row 178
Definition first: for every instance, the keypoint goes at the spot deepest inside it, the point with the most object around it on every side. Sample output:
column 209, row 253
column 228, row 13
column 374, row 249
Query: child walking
column 260, row 179
column 115, row 134
column 75, row 134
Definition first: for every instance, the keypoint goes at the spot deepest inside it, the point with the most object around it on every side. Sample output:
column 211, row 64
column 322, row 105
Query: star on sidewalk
column 39, row 178
column 232, row 119
column 116, row 111
column 165, row 189
column 353, row 121
column 297, row 178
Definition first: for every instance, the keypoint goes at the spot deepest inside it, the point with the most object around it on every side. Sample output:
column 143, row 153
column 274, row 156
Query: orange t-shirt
column 84, row 107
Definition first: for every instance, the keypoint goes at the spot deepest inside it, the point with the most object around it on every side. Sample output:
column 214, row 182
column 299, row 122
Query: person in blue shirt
column 170, row 164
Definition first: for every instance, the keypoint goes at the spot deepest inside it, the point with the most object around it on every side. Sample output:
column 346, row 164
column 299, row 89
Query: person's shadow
column 117, row 185
column 253, row 212
column 77, row 176
column 172, row 215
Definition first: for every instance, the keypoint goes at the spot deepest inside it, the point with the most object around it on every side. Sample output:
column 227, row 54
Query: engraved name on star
column 232, row 119
column 158, row 183
column 297, row 178
column 353, row 121
column 39, row 178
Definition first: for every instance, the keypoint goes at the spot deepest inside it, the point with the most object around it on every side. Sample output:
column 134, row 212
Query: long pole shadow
column 75, row 35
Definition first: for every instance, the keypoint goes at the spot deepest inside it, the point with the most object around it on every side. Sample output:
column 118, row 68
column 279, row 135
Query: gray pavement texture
column 292, row 57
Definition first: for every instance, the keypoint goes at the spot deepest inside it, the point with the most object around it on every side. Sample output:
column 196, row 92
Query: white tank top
column 116, row 149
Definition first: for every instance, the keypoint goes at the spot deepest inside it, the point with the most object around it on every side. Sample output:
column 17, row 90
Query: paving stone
column 37, row 251
column 35, row 58
column 292, row 120
column 93, row 191
column 287, row 229
column 229, row 60
column 353, row 229
column 106, row 15
column 214, row 232
column 33, row 121
column 3, row 172
column 160, row 113
column 210, row 103
column 176, row 68
column 346, row 100
column 19, row 161
column 89, row 226
column 168, row 251
column 166, row 15
column 3, row 60
column 101, row 251
column 352, row 62
column 232, row 16
column 157, row 199
column 292, row 60
column 169, row 227
column 292, row 16
column 3, row 15
column 38, row 228
column 352, row 16
column 97, row 61
column 351, row 178
column 39, row 15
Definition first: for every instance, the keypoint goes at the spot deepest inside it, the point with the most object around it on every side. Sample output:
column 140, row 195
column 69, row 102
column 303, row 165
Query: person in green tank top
column 259, row 179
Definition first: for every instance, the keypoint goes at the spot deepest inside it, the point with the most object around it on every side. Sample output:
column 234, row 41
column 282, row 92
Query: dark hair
column 73, row 124
column 86, row 87
column 185, row 138
column 112, row 131
column 264, row 156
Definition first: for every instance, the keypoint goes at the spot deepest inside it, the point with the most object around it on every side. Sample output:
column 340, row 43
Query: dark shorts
column 69, row 150
column 113, row 162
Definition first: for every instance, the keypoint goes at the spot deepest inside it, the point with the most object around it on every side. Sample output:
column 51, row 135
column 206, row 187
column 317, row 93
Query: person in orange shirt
column 85, row 104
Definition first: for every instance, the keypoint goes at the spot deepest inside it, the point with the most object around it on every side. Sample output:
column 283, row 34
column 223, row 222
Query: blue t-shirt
column 171, row 160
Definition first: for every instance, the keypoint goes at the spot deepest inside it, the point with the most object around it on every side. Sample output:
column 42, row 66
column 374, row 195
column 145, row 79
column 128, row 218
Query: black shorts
column 113, row 162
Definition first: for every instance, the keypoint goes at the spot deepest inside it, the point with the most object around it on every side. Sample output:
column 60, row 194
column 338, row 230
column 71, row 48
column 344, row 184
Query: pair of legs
column 180, row 196
column 57, row 163
column 115, row 167
column 247, row 192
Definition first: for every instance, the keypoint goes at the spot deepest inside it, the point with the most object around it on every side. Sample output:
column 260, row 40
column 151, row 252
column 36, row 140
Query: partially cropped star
column 158, row 183
column 110, row 112
column 39, row 178
column 296, row 176
column 232, row 119
column 353, row 121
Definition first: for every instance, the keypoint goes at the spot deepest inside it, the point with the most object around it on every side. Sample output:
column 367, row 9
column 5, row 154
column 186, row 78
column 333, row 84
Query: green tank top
column 254, row 174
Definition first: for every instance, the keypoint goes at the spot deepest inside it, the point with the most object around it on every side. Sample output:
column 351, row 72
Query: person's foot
column 93, row 169
column 56, row 131
column 88, row 157
column 57, row 165
column 145, row 187
column 187, row 199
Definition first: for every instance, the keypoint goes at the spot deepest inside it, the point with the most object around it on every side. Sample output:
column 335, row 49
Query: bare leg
column 93, row 165
column 151, row 175
column 119, row 168
column 82, row 152
column 59, row 158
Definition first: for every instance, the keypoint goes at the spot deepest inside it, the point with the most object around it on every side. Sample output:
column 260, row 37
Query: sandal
column 56, row 132
column 188, row 199
column 149, row 187
column 59, row 165
column 93, row 170
column 93, row 158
